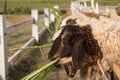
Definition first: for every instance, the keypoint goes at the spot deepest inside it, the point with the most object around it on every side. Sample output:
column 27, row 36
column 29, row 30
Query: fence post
column 46, row 18
column 73, row 8
column 92, row 4
column 107, row 9
column 97, row 7
column 52, row 16
column 85, row 4
column 35, row 32
column 3, row 49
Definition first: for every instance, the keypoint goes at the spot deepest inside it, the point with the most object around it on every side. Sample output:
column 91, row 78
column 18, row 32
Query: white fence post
column 85, row 4
column 97, row 7
column 73, row 7
column 107, row 9
column 52, row 17
column 46, row 18
column 92, row 4
column 3, row 49
column 35, row 32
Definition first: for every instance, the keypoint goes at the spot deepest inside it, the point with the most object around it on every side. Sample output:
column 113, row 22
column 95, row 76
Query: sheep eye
column 66, row 40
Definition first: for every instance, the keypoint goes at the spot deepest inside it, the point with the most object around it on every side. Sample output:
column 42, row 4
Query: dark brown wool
column 86, row 50
column 71, row 21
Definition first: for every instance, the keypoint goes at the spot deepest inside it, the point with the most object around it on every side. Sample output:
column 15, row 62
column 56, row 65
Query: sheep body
column 107, row 34
column 105, row 31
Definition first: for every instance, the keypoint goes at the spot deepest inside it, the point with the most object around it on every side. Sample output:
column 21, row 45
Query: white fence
column 5, row 62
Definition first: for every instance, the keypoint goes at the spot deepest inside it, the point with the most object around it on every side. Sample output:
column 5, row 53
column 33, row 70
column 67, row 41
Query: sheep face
column 60, row 45
column 56, row 49
column 69, row 40
column 57, row 46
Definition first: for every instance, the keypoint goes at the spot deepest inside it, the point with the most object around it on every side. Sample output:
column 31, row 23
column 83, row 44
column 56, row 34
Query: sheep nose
column 50, row 57
column 71, row 75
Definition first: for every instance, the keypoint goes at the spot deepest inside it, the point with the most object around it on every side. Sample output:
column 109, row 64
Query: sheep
column 68, row 42
column 105, row 33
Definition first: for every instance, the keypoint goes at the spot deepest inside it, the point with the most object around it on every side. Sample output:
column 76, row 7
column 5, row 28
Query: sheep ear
column 78, row 54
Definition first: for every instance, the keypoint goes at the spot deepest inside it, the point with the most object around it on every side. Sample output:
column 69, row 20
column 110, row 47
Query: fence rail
column 20, row 25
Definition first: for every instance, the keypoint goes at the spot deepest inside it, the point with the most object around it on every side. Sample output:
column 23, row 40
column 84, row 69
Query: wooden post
column 56, row 7
column 107, row 10
column 3, row 49
column 46, row 19
column 52, row 17
column 35, row 32
column 85, row 4
column 92, row 4
column 97, row 7
column 73, row 7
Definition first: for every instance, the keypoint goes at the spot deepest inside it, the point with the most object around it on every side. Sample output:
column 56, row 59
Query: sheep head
column 56, row 49
column 79, row 43
column 75, row 45
column 57, row 46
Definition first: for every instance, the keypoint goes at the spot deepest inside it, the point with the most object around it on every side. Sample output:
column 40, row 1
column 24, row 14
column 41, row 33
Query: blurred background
column 25, row 6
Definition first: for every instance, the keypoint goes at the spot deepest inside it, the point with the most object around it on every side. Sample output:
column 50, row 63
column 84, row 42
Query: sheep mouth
column 51, row 58
column 65, row 60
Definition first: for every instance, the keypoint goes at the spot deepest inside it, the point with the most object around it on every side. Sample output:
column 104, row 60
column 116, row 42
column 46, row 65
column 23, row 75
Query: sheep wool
column 105, row 31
